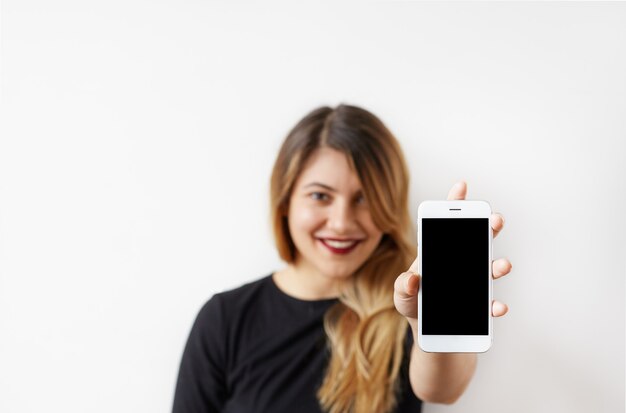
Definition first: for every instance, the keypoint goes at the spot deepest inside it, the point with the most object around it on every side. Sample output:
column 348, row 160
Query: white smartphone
column 454, row 240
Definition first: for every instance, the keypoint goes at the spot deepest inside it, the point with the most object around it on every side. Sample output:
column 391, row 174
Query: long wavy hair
column 364, row 330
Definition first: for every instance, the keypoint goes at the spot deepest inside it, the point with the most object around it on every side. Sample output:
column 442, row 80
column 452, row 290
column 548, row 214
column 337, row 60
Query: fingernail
column 408, row 280
column 410, row 290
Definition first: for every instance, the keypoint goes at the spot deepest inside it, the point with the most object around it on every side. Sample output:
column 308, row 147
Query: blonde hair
column 365, row 332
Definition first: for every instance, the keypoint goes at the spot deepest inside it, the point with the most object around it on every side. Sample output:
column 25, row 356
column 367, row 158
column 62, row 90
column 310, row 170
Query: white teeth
column 340, row 244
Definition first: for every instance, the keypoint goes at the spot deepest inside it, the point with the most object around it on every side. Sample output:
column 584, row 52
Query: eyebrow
column 330, row 188
column 322, row 185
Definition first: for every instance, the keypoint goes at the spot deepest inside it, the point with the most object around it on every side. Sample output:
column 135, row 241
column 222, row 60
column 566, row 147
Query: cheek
column 368, row 225
column 304, row 220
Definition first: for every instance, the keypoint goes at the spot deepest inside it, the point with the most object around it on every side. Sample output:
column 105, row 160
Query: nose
column 341, row 218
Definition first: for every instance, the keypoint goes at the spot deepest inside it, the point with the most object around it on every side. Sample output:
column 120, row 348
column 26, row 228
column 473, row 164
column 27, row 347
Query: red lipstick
column 340, row 251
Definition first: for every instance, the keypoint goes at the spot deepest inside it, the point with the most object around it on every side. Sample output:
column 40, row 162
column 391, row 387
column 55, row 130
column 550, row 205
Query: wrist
column 413, row 323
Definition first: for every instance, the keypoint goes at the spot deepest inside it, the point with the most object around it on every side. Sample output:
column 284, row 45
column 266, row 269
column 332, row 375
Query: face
column 329, row 218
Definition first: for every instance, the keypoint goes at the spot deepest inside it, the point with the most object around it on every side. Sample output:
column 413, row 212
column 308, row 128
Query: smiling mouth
column 339, row 247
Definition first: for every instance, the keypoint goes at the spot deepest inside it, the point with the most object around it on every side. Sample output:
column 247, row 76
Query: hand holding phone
column 454, row 262
column 408, row 284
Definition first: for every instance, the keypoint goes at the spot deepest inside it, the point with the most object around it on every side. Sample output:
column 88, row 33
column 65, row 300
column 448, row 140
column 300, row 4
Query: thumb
column 407, row 285
column 405, row 294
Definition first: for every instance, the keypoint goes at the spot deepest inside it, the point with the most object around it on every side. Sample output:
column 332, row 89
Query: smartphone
column 454, row 240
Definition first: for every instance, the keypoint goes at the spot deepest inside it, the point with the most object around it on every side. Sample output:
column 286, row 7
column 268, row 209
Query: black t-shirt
column 257, row 349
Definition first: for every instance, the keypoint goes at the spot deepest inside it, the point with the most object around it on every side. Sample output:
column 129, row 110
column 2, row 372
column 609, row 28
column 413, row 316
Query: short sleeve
column 408, row 401
column 201, row 384
column 408, row 341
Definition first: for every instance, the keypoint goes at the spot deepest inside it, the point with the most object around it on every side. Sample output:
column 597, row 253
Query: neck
column 306, row 282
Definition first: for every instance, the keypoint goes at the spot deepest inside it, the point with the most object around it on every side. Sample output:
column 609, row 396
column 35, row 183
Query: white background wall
column 138, row 138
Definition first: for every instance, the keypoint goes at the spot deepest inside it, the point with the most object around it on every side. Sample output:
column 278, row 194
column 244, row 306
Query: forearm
column 439, row 377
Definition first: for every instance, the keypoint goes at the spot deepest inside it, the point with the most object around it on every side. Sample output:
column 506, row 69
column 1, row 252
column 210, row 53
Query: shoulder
column 223, row 318
column 227, row 303
column 244, row 291
column 222, row 312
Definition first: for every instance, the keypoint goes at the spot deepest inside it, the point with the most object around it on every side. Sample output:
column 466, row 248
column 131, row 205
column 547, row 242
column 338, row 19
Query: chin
column 338, row 271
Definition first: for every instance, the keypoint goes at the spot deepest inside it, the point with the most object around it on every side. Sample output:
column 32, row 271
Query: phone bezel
column 454, row 343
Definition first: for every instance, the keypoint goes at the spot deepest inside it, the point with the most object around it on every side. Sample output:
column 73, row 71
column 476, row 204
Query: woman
column 333, row 330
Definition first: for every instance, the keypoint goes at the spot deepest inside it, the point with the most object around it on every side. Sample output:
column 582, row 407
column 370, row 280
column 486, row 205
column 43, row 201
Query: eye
column 360, row 199
column 319, row 196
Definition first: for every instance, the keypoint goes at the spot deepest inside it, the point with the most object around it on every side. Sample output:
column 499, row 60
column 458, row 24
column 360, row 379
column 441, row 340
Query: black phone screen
column 455, row 282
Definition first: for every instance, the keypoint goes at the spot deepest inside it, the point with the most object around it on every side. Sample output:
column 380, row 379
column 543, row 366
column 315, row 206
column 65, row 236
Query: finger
column 458, row 191
column 498, row 308
column 501, row 267
column 497, row 223
column 405, row 294
column 414, row 265
column 406, row 285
